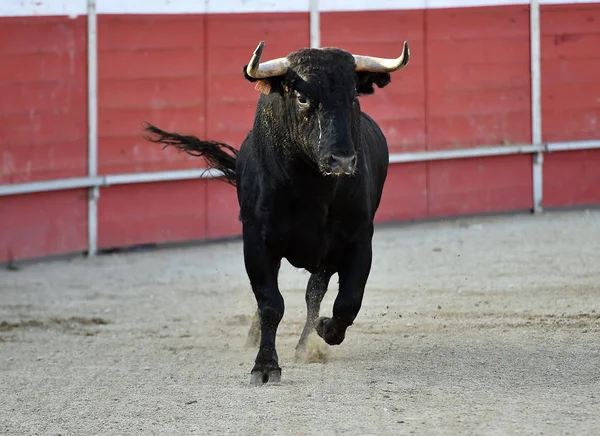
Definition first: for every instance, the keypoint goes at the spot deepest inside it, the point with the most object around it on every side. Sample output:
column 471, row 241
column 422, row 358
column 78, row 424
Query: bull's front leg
column 315, row 291
column 263, row 268
column 353, row 272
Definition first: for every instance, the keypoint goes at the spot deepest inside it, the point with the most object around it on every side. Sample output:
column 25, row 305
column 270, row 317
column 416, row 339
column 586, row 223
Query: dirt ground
column 471, row 326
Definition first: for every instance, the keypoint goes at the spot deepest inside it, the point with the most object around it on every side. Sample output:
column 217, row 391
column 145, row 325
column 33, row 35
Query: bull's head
column 312, row 98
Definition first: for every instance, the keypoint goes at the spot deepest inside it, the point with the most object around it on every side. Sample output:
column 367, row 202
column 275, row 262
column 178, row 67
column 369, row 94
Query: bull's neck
column 280, row 157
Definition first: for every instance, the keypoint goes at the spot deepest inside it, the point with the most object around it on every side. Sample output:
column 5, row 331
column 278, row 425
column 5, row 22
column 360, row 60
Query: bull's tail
column 213, row 152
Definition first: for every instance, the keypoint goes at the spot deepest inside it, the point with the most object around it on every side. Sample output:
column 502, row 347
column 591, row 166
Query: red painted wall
column 43, row 109
column 467, row 85
column 43, row 133
column 150, row 68
column 43, row 224
column 478, row 93
column 571, row 101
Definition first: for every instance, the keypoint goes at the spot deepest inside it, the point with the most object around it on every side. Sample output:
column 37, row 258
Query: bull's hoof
column 261, row 377
column 266, row 369
column 331, row 331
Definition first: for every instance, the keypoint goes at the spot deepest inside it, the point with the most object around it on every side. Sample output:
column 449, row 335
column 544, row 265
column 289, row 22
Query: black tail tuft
column 212, row 151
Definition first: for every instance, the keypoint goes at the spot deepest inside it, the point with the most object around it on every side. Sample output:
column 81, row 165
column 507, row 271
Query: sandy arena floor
column 474, row 326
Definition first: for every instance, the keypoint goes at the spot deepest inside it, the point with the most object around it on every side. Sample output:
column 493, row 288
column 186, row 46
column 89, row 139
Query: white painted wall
column 73, row 8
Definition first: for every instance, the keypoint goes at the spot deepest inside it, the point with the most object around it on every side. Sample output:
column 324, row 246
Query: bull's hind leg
column 262, row 269
column 353, row 272
column 315, row 291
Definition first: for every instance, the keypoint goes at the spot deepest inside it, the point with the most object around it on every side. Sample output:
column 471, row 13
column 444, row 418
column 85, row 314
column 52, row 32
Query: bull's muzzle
column 342, row 164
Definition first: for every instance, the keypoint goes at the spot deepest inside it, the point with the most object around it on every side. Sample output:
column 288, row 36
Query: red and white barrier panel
column 177, row 63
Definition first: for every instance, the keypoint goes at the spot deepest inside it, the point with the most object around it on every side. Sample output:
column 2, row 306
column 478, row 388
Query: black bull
column 309, row 180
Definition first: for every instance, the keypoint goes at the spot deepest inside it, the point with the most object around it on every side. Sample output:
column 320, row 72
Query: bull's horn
column 382, row 65
column 257, row 70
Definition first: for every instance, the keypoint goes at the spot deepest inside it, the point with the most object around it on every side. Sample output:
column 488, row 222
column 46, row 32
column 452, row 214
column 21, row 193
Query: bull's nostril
column 344, row 164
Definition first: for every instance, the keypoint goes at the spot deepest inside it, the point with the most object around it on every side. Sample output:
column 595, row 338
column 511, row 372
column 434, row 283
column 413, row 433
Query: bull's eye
column 302, row 101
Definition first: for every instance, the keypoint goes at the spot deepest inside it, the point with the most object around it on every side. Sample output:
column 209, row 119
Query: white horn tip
column 259, row 47
column 405, row 53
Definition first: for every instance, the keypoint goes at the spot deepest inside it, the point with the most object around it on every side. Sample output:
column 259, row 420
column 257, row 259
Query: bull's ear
column 366, row 80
